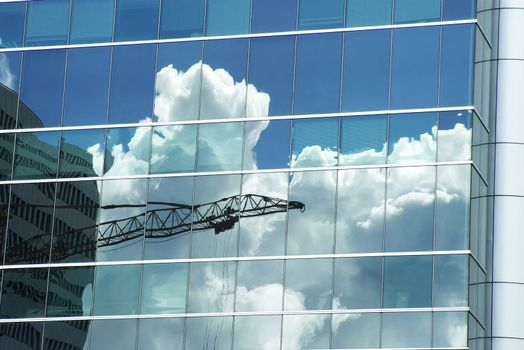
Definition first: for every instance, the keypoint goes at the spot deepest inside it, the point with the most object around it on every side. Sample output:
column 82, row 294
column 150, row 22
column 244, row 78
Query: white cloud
column 6, row 76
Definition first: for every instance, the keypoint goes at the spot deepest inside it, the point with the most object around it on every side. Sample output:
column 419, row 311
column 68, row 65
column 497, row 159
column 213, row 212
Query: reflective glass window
column 358, row 283
column 87, row 82
column 173, row 149
column 36, row 155
column 116, row 290
column 211, row 287
column 416, row 324
column 412, row 138
column 113, row 334
column 363, row 140
column 450, row 329
column 273, row 16
column 163, row 288
column 12, row 16
column 13, row 335
column 451, row 281
column 257, row 332
column 10, row 63
column 310, row 231
column 178, row 81
column 43, row 85
column 131, row 95
column 220, row 146
column 259, row 286
column 454, row 135
column 227, row 17
column 80, row 154
column 182, row 18
column 305, row 332
column 355, row 331
column 4, row 200
column 136, row 20
column 224, row 77
column 215, row 232
column 415, row 67
column 266, row 144
column 70, row 291
column 161, row 334
column 169, row 216
column 458, row 9
column 320, row 14
column 366, row 70
column 202, row 332
column 315, row 143
column 407, row 281
column 127, row 151
column 17, row 302
column 91, row 21
column 308, row 284
column 368, row 12
column 47, row 22
column 317, row 81
column 76, row 333
column 270, row 76
column 457, row 57
column 7, row 142
column 417, row 10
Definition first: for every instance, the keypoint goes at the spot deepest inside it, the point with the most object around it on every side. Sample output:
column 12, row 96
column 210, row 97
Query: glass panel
column 273, row 16
column 259, row 286
column 315, row 143
column 73, row 333
column 47, row 22
column 451, row 281
column 132, row 89
column 412, row 138
column 263, row 222
column 21, row 335
column 136, row 20
column 43, row 84
column 70, row 291
column 116, row 290
column 80, row 153
column 305, row 332
column 211, row 288
column 164, row 288
column 266, row 144
column 121, row 220
column 317, row 82
column 417, row 11
column 410, row 208
column 9, row 77
column 415, row 66
column 209, row 332
column 308, row 284
column 368, row 12
column 178, row 81
column 457, row 57
column 363, row 140
column 76, row 213
column 12, row 16
column 224, row 79
column 220, row 146
column 17, row 301
column 458, row 9
column 30, row 223
column 257, row 332
column 355, row 331
column 450, row 329
column 358, row 283
column 113, row 334
column 215, row 216
column 126, row 152
column 416, row 324
column 407, row 282
column 454, row 136
column 271, row 75
column 85, row 100
column 4, row 215
column 7, row 142
column 92, row 21
column 227, row 17
column 320, row 14
column 36, row 155
column 173, row 149
column 161, row 334
column 182, row 18
column 366, row 70
column 310, row 231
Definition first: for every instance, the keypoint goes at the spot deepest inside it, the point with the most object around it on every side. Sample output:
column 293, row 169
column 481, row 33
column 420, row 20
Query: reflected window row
column 357, row 71
column 234, row 146
column 57, row 22
column 268, row 285
column 291, row 332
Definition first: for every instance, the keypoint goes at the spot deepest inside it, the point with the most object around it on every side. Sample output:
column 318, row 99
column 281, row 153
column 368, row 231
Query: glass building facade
column 245, row 174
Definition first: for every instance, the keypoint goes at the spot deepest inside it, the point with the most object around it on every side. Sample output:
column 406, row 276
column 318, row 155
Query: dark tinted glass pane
column 220, row 146
column 12, row 16
column 65, row 334
column 43, row 84
column 363, row 140
column 227, row 17
column 87, row 83
column 266, row 144
column 16, row 301
column 273, row 16
column 458, row 9
column 7, row 142
column 21, row 336
column 136, row 20
column 368, row 12
column 70, row 291
column 203, row 294
column 417, row 10
column 36, row 155
column 161, row 334
column 4, row 214
column 319, row 14
column 92, row 21
column 358, row 283
column 127, row 151
column 164, row 289
column 47, row 22
column 203, row 332
column 78, row 153
column 173, row 149
column 113, row 335
column 116, row 290
column 182, row 18
column 315, row 143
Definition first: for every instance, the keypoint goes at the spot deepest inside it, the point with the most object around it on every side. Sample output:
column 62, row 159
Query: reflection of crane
column 162, row 220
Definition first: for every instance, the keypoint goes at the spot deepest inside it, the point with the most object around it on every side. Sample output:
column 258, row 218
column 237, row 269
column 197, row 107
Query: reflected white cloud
column 6, row 76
